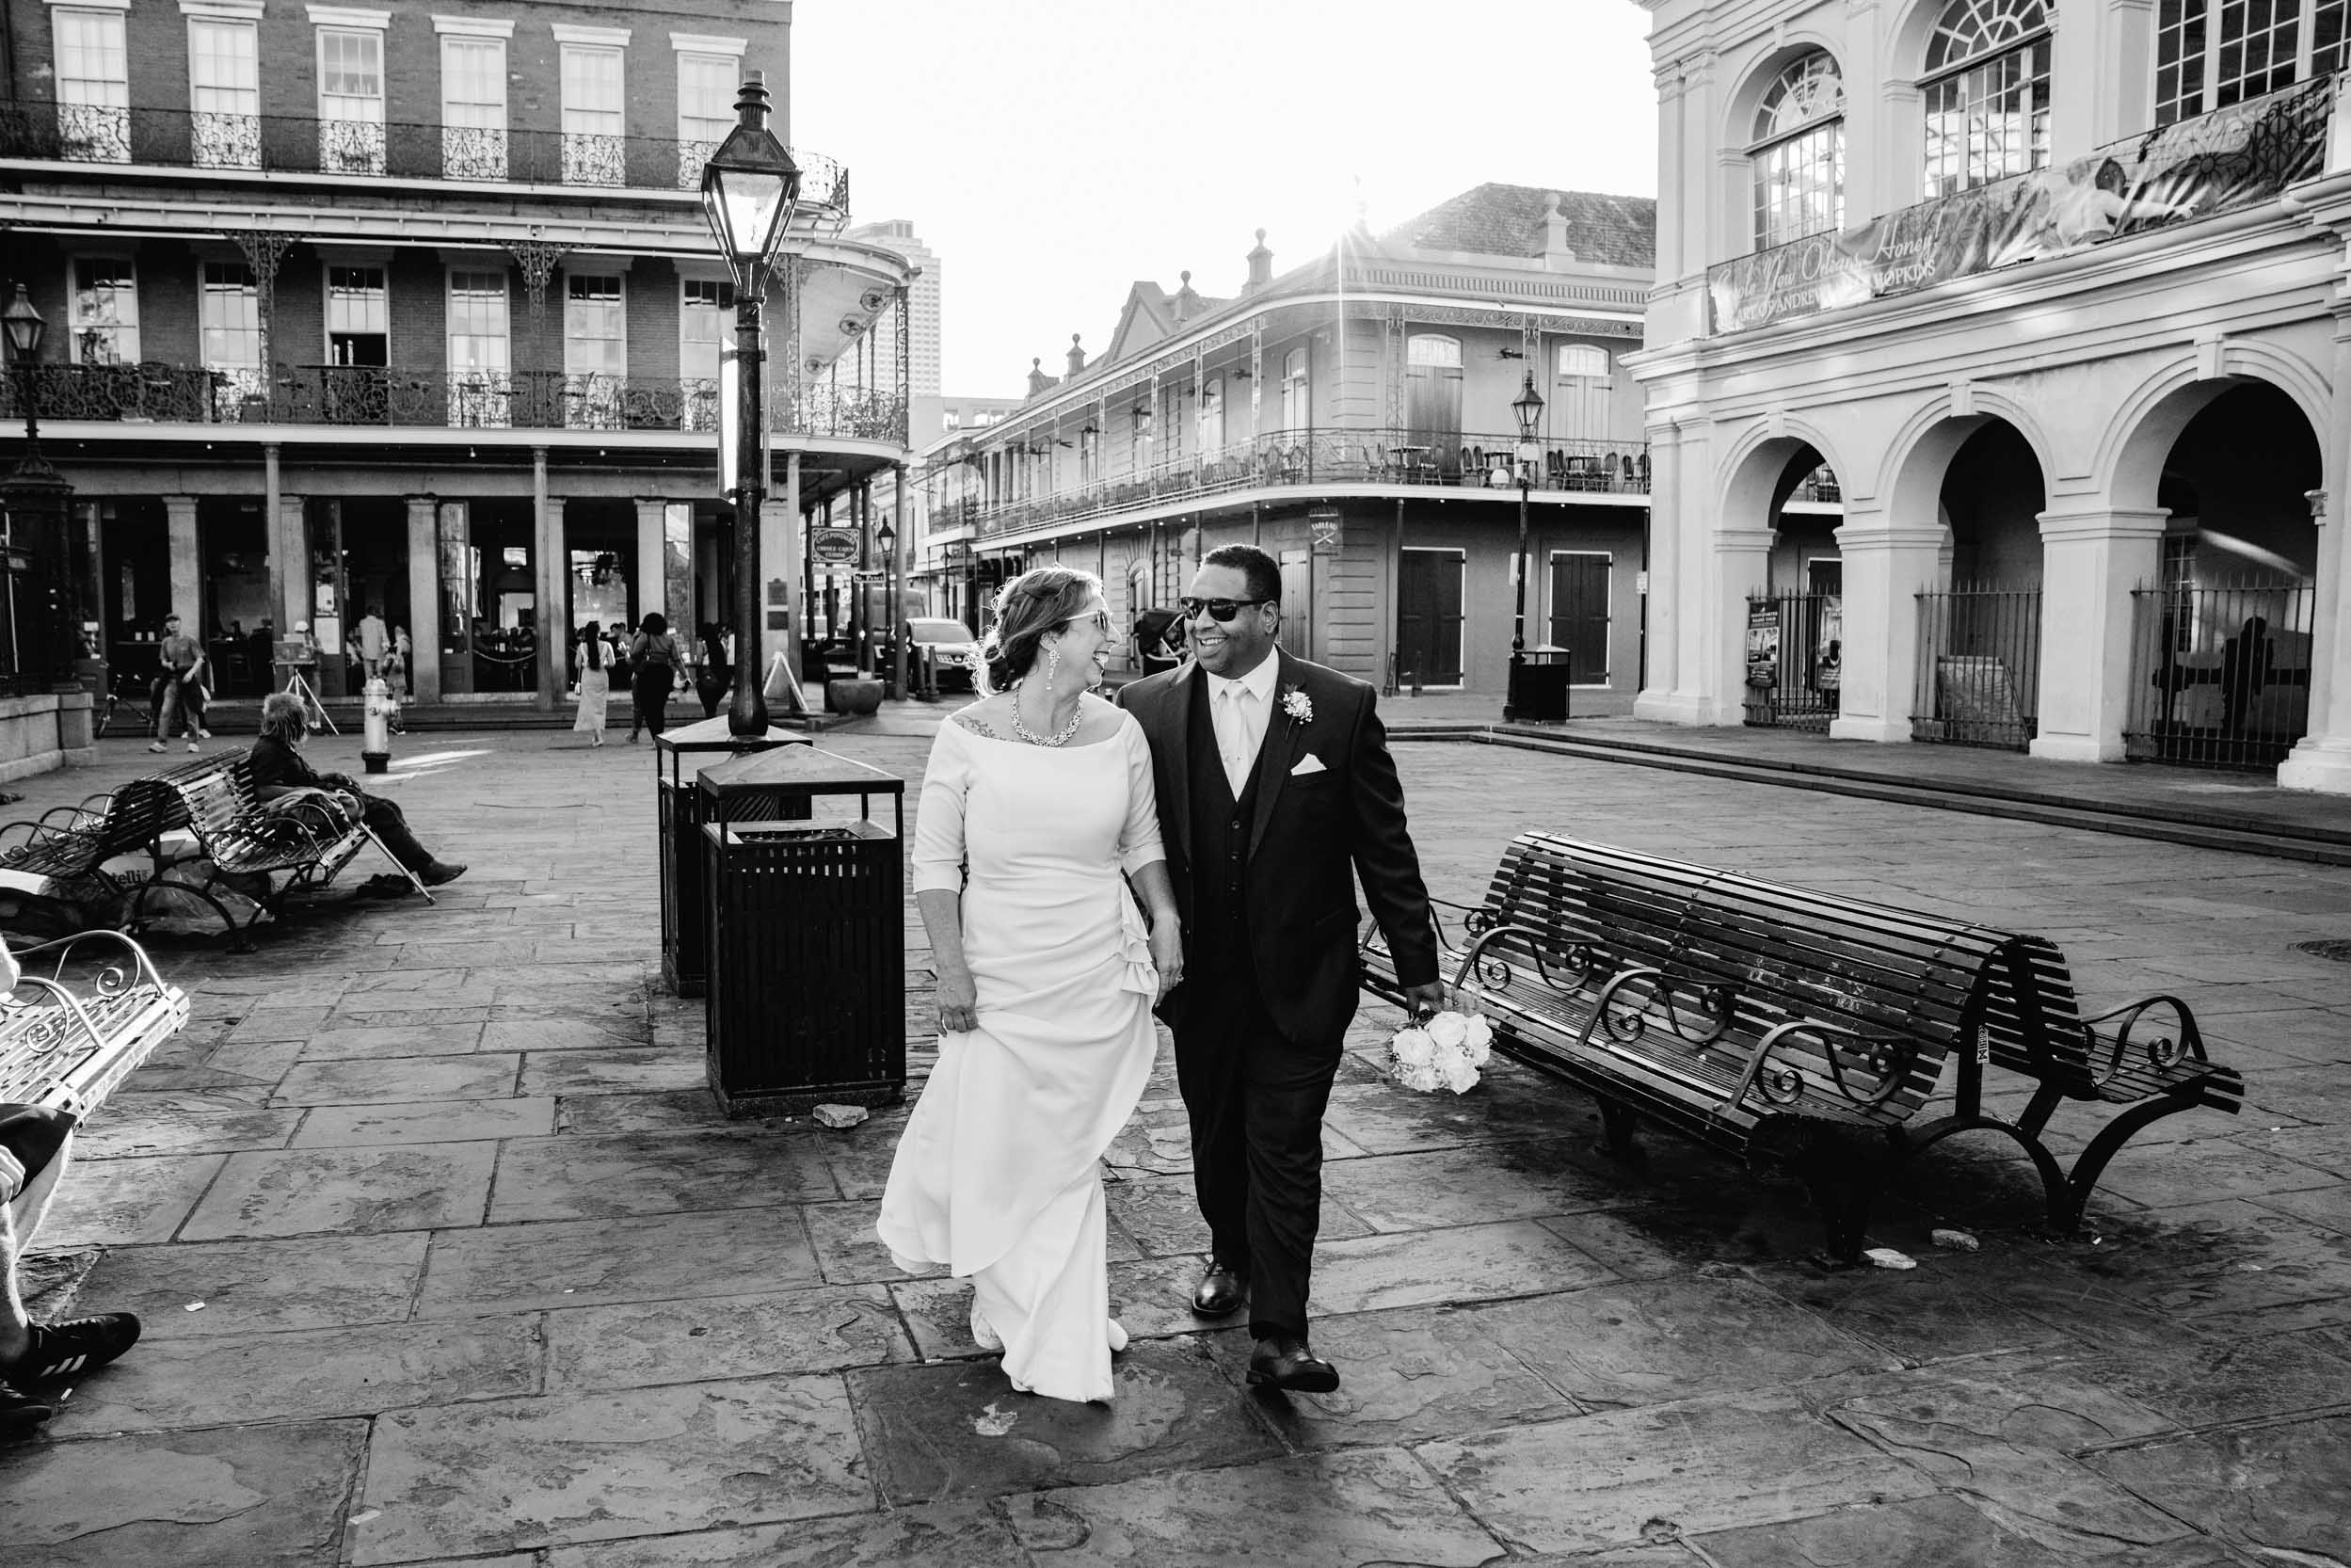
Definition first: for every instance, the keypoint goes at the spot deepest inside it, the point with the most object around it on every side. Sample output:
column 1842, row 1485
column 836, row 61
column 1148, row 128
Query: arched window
column 2210, row 54
column 1581, row 391
column 1582, row 359
column 1433, row 390
column 1799, row 151
column 1987, row 93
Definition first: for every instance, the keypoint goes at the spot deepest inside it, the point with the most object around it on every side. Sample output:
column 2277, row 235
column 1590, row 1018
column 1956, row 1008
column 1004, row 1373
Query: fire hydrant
column 380, row 708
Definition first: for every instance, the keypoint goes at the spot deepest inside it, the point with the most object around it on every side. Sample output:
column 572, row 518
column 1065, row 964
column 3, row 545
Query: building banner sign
column 2231, row 157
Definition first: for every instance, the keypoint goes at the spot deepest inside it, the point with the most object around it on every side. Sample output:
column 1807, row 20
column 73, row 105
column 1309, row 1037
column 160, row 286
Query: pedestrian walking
column 654, row 659
column 592, row 661
column 183, row 670
column 718, row 678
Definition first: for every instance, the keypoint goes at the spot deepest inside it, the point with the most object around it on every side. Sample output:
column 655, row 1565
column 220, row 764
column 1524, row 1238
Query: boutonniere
column 1298, row 705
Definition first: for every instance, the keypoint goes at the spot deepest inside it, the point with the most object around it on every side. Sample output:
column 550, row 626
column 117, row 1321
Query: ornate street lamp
column 749, row 189
column 25, row 328
column 1528, row 406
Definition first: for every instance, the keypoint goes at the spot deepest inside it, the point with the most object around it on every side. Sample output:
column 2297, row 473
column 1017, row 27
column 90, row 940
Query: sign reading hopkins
column 2231, row 157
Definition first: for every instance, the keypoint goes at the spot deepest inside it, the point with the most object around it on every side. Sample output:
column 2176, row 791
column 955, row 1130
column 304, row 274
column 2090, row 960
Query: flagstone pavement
column 445, row 1257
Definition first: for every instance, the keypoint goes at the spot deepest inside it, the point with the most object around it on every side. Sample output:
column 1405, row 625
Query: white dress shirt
column 1240, row 710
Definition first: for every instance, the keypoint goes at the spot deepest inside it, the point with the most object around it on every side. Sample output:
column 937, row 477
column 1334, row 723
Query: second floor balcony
column 1307, row 460
column 371, row 149
column 379, row 397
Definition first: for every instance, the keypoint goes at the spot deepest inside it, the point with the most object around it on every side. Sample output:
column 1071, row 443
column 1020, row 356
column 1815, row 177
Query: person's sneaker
column 20, row 1412
column 155, row 747
column 203, row 734
column 193, row 747
column 79, row 1345
column 438, row 872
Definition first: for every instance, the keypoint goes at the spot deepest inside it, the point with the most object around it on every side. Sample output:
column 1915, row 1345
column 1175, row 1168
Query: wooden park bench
column 69, row 843
column 86, row 1010
column 262, row 851
column 1775, row 1021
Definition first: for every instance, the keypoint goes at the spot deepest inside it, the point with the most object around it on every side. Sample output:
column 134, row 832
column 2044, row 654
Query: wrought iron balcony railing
column 381, row 398
column 1296, row 459
column 305, row 144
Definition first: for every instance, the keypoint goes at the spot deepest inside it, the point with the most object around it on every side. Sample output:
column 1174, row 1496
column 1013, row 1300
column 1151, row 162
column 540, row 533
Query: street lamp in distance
column 24, row 328
column 750, row 187
column 1528, row 406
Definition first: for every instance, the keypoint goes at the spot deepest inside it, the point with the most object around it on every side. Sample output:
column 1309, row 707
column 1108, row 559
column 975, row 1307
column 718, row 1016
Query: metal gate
column 1794, row 659
column 2221, row 674
column 1978, row 667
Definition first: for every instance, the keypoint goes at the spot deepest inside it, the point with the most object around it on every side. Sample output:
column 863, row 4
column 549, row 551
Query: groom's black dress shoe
column 1221, row 1290
column 1282, row 1361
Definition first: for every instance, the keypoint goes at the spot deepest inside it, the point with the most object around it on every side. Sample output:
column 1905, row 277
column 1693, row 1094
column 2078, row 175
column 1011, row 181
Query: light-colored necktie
column 1232, row 734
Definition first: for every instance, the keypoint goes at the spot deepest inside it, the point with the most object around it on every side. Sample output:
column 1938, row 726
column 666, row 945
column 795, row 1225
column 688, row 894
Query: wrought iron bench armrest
column 2165, row 1051
column 1888, row 1060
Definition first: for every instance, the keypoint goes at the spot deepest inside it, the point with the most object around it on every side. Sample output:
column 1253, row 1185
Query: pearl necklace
column 1058, row 739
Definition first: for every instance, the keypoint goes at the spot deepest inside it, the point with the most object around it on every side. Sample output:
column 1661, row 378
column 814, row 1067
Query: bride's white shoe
column 1118, row 1336
column 982, row 1335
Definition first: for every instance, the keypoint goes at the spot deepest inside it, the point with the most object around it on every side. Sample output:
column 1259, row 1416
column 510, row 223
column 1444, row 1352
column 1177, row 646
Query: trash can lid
column 713, row 735
column 803, row 768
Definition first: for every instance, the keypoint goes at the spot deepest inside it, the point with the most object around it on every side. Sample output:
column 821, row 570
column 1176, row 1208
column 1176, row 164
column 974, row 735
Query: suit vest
column 1220, row 846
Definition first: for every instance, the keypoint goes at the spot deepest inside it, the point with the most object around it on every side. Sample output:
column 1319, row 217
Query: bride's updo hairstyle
column 1041, row 599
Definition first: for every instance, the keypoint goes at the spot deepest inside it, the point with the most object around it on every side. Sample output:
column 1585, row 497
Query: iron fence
column 152, row 393
column 311, row 144
column 2220, row 673
column 1313, row 457
column 1794, row 660
column 1978, row 667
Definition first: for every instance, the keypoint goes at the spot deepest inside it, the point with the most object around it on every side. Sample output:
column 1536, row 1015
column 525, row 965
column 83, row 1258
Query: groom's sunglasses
column 1218, row 609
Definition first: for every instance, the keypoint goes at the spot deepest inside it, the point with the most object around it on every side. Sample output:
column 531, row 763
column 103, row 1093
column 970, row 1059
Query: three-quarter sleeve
column 1139, row 844
column 938, row 813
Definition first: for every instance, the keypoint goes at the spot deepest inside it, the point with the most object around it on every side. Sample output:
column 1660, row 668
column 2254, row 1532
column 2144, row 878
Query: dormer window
column 1798, row 154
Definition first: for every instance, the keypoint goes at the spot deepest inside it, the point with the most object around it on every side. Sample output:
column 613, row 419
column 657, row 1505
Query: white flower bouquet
column 1444, row 1050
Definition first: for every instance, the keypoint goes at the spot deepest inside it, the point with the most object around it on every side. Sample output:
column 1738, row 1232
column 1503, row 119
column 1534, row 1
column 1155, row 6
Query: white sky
column 1051, row 151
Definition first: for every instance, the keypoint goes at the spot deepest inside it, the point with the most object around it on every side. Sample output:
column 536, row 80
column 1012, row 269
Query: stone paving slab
column 1942, row 1531
column 398, row 1080
column 1703, row 1465
column 647, row 1344
column 236, row 1497
column 452, row 1121
column 1349, row 1510
column 305, row 1375
column 316, row 1282
column 139, row 1200
column 656, row 1173
column 579, row 1468
column 339, row 1192
column 184, row 1122
column 514, row 1268
column 2281, row 1493
column 959, row 1429
column 964, row 1534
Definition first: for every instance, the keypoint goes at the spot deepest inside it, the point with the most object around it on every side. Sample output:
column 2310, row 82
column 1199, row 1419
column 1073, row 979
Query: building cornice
column 348, row 16
column 469, row 27
column 610, row 37
column 707, row 43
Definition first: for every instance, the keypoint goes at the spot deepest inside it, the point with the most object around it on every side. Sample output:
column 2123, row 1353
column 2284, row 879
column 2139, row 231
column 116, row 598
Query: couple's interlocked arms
column 1193, row 849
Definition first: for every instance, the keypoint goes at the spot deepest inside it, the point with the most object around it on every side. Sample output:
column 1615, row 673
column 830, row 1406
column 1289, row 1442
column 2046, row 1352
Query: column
column 187, row 592
column 779, row 569
column 424, row 597
column 290, row 552
column 650, row 578
column 1741, row 567
column 279, row 561
column 548, row 549
column 2091, row 558
column 2322, row 758
column 1663, row 570
column 1886, row 568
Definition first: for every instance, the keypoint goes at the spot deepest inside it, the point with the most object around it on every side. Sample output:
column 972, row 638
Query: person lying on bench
column 280, row 767
column 36, row 1143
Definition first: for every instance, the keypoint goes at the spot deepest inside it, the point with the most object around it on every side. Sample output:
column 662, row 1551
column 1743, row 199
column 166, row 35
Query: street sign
column 1323, row 523
column 833, row 547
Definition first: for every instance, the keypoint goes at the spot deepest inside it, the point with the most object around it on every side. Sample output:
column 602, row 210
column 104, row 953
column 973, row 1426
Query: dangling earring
column 1052, row 666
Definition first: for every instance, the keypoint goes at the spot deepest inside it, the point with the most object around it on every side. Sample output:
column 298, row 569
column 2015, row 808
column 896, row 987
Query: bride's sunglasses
column 1218, row 609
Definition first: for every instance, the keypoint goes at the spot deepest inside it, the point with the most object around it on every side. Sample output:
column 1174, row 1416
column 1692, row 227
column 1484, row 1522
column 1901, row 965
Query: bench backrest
column 2034, row 1025
column 214, row 792
column 1760, row 953
column 136, row 816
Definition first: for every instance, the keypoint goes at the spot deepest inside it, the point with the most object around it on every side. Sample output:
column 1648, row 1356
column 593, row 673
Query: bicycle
column 130, row 703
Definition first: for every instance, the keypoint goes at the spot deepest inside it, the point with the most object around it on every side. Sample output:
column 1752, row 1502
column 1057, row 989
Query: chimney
column 1038, row 381
column 1555, row 246
column 1187, row 302
column 1260, row 266
column 1077, row 359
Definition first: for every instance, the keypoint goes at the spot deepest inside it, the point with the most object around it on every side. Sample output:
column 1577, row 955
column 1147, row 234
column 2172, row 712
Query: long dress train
column 997, row 1175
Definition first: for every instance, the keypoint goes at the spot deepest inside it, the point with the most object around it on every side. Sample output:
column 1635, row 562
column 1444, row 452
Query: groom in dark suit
column 1276, row 790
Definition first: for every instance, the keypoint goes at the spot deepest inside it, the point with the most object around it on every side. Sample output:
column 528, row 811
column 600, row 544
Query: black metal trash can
column 677, row 804
column 808, row 950
column 1538, row 687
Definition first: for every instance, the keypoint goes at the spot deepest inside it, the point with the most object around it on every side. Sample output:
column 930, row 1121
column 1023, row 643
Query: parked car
column 952, row 644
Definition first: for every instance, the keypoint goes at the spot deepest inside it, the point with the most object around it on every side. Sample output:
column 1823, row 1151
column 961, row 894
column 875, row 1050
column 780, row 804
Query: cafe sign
column 2234, row 157
column 833, row 547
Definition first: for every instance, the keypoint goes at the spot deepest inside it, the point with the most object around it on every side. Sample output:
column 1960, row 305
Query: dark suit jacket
column 1311, row 836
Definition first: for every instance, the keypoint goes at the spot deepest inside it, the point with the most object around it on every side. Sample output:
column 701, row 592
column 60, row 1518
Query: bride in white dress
column 1037, row 807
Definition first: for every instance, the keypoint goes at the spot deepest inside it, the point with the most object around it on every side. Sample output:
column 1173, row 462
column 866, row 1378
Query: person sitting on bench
column 280, row 767
column 36, row 1143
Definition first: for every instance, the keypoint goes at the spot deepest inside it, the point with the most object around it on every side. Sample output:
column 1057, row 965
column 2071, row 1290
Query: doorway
column 1429, row 616
column 1579, row 613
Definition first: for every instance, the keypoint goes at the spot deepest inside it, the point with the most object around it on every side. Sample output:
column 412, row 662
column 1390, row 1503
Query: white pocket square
column 1307, row 764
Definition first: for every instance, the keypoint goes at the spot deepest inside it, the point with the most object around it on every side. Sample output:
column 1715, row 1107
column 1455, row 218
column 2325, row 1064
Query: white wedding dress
column 997, row 1175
